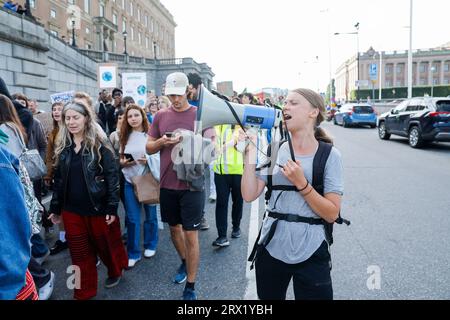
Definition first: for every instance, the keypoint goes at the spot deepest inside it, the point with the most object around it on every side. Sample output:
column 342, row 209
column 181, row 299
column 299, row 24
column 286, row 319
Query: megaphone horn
column 213, row 111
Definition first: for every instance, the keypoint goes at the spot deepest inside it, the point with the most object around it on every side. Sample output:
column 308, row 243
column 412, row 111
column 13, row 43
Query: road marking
column 250, row 290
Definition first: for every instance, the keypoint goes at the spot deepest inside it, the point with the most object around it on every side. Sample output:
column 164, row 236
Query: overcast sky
column 274, row 43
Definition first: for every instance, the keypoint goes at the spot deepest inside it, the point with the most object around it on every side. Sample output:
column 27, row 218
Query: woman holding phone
column 133, row 161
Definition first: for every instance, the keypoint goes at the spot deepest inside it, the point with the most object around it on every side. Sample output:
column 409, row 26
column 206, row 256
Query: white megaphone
column 213, row 111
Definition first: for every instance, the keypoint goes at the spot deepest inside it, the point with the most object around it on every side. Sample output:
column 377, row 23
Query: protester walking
column 294, row 239
column 181, row 208
column 87, row 202
column 133, row 161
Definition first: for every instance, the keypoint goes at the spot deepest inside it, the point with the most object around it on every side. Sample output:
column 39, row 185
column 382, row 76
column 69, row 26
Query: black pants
column 311, row 278
column 40, row 275
column 226, row 184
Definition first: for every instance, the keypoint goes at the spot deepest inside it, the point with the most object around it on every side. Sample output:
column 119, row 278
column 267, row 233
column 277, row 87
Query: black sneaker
column 112, row 282
column 236, row 233
column 221, row 242
column 58, row 247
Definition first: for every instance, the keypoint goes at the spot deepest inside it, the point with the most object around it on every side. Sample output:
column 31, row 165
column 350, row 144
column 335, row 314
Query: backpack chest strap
column 295, row 218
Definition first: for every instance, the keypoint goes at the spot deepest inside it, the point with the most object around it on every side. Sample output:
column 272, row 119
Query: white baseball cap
column 176, row 84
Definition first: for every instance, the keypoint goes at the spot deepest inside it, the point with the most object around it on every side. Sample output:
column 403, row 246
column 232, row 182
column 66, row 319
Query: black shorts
column 182, row 207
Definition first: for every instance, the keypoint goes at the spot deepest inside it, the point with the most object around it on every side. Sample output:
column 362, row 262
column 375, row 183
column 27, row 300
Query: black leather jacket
column 102, row 182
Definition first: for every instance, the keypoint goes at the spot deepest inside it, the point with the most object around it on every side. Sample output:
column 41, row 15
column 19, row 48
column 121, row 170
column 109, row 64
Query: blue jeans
column 38, row 246
column 133, row 215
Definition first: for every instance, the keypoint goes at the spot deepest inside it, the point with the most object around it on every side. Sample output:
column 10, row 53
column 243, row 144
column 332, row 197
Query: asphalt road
column 397, row 246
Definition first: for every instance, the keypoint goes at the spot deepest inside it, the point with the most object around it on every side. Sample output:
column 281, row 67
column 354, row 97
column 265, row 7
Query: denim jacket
column 15, row 228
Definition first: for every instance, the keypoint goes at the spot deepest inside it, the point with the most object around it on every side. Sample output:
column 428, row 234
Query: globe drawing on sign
column 107, row 76
column 141, row 103
column 142, row 90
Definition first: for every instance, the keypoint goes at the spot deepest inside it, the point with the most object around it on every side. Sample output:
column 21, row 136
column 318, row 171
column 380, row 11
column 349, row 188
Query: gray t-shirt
column 295, row 242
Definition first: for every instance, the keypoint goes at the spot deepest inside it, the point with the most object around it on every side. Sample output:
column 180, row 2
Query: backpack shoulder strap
column 269, row 177
column 319, row 163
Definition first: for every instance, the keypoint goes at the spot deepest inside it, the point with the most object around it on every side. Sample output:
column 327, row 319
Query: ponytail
column 321, row 135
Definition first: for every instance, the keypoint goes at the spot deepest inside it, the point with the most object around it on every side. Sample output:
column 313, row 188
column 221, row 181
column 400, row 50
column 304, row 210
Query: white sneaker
column 212, row 197
column 46, row 291
column 132, row 262
column 149, row 253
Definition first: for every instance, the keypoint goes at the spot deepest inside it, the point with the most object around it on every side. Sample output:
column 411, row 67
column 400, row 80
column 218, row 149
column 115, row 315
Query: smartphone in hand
column 128, row 156
column 169, row 134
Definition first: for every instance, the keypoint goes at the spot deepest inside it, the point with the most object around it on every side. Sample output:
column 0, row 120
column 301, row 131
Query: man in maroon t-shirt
column 180, row 207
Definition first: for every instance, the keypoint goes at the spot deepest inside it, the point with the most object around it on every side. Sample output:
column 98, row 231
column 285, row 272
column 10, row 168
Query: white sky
column 273, row 43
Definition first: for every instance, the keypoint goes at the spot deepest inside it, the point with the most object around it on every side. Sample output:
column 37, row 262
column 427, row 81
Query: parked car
column 332, row 111
column 356, row 114
column 421, row 120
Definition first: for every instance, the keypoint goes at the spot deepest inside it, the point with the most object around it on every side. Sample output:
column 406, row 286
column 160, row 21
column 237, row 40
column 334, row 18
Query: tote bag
column 146, row 187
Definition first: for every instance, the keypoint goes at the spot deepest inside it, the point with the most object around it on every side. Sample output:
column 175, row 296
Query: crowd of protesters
column 92, row 153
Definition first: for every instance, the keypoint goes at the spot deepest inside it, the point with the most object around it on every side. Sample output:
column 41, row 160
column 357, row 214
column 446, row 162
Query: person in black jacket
column 25, row 115
column 86, row 195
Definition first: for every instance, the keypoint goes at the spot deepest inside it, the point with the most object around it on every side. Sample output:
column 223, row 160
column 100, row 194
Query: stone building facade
column 100, row 25
column 430, row 67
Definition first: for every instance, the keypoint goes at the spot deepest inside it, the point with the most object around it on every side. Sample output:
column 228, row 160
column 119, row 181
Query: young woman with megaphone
column 291, row 244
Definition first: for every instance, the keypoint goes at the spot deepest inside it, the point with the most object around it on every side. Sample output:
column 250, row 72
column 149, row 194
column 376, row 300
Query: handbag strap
column 18, row 134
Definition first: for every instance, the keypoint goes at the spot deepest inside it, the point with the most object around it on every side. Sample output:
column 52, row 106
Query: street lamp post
column 125, row 34
column 432, row 69
column 74, row 44
column 357, row 54
column 410, row 57
column 330, row 84
column 28, row 11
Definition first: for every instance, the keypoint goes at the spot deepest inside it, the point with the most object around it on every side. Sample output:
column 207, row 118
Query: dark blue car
column 356, row 114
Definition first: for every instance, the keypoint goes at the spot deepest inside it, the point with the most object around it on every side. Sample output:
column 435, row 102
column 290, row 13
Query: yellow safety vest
column 229, row 161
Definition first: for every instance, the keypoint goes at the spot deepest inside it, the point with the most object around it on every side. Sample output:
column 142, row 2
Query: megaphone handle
column 291, row 148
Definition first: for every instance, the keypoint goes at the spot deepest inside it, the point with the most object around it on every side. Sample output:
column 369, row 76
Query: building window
column 139, row 38
column 399, row 83
column 87, row 30
column 435, row 68
column 88, row 46
column 124, row 24
column 422, row 68
column 152, row 25
column 132, row 33
column 388, row 83
column 87, row 6
column 435, row 81
column 446, row 81
column 71, row 1
column 388, row 69
column 399, row 68
column 139, row 14
column 114, row 18
column 447, row 67
column 146, row 21
column 423, row 82
column 33, row 4
column 102, row 10
column 54, row 33
column 146, row 42
column 53, row 13
column 131, row 8
column 123, row 4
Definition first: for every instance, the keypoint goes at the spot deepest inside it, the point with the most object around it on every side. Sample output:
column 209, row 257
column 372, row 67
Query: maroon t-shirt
column 169, row 120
